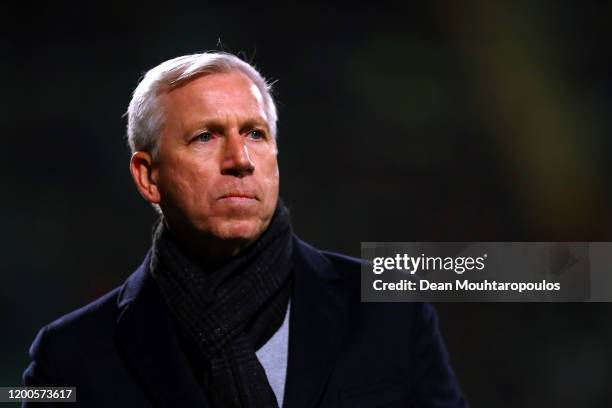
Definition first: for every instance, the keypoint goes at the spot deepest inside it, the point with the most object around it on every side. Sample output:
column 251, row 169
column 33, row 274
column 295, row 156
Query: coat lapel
column 149, row 346
column 316, row 328
column 318, row 319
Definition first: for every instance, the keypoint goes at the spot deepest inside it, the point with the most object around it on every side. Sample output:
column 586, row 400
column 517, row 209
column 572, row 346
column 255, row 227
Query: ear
column 145, row 175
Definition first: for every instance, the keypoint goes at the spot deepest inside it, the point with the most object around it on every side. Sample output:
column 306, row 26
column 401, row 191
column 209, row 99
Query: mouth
column 238, row 196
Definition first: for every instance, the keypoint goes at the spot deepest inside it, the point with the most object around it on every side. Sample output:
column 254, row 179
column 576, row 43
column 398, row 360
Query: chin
column 239, row 230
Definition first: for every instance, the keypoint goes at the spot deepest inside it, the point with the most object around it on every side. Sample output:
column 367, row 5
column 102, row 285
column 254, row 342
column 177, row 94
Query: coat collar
column 148, row 343
column 149, row 346
column 317, row 326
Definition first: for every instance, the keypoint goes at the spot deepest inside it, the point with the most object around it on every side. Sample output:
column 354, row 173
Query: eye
column 257, row 134
column 203, row 137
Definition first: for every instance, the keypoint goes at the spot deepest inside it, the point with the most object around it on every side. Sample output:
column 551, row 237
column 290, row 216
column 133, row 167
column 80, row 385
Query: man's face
column 217, row 172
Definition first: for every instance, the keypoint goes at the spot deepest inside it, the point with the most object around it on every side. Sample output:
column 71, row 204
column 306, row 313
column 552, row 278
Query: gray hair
column 146, row 117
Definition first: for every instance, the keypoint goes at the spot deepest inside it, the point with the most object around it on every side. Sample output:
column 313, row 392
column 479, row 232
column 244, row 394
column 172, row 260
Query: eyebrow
column 217, row 125
column 254, row 123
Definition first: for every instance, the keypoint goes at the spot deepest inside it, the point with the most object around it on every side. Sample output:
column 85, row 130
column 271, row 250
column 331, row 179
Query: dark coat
column 122, row 351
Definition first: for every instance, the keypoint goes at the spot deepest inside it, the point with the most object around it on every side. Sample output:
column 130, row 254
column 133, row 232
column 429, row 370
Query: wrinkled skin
column 216, row 177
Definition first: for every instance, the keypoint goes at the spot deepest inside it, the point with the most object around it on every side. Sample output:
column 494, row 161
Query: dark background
column 447, row 121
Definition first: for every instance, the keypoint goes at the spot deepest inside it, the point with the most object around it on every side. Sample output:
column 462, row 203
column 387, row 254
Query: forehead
column 215, row 95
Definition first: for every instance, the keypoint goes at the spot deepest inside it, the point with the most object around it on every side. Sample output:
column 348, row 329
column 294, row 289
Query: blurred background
column 447, row 121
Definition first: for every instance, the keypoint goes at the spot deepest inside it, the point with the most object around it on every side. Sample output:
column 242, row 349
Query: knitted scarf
column 226, row 312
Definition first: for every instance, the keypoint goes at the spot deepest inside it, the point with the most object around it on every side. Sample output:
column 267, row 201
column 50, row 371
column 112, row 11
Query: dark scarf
column 228, row 311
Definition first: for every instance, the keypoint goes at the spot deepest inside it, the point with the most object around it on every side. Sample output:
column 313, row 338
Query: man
column 230, row 308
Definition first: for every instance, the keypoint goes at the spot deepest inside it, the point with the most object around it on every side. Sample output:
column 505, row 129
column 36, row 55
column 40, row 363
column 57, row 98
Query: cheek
column 272, row 175
column 186, row 185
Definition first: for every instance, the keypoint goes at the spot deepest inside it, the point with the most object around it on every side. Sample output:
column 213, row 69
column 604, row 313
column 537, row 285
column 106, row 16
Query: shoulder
column 345, row 272
column 85, row 334
column 403, row 337
column 63, row 340
column 344, row 263
column 327, row 264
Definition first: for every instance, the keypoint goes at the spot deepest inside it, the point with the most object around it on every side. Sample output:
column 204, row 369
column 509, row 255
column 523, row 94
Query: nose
column 236, row 160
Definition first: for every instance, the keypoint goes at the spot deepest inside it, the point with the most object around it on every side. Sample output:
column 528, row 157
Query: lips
column 238, row 194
